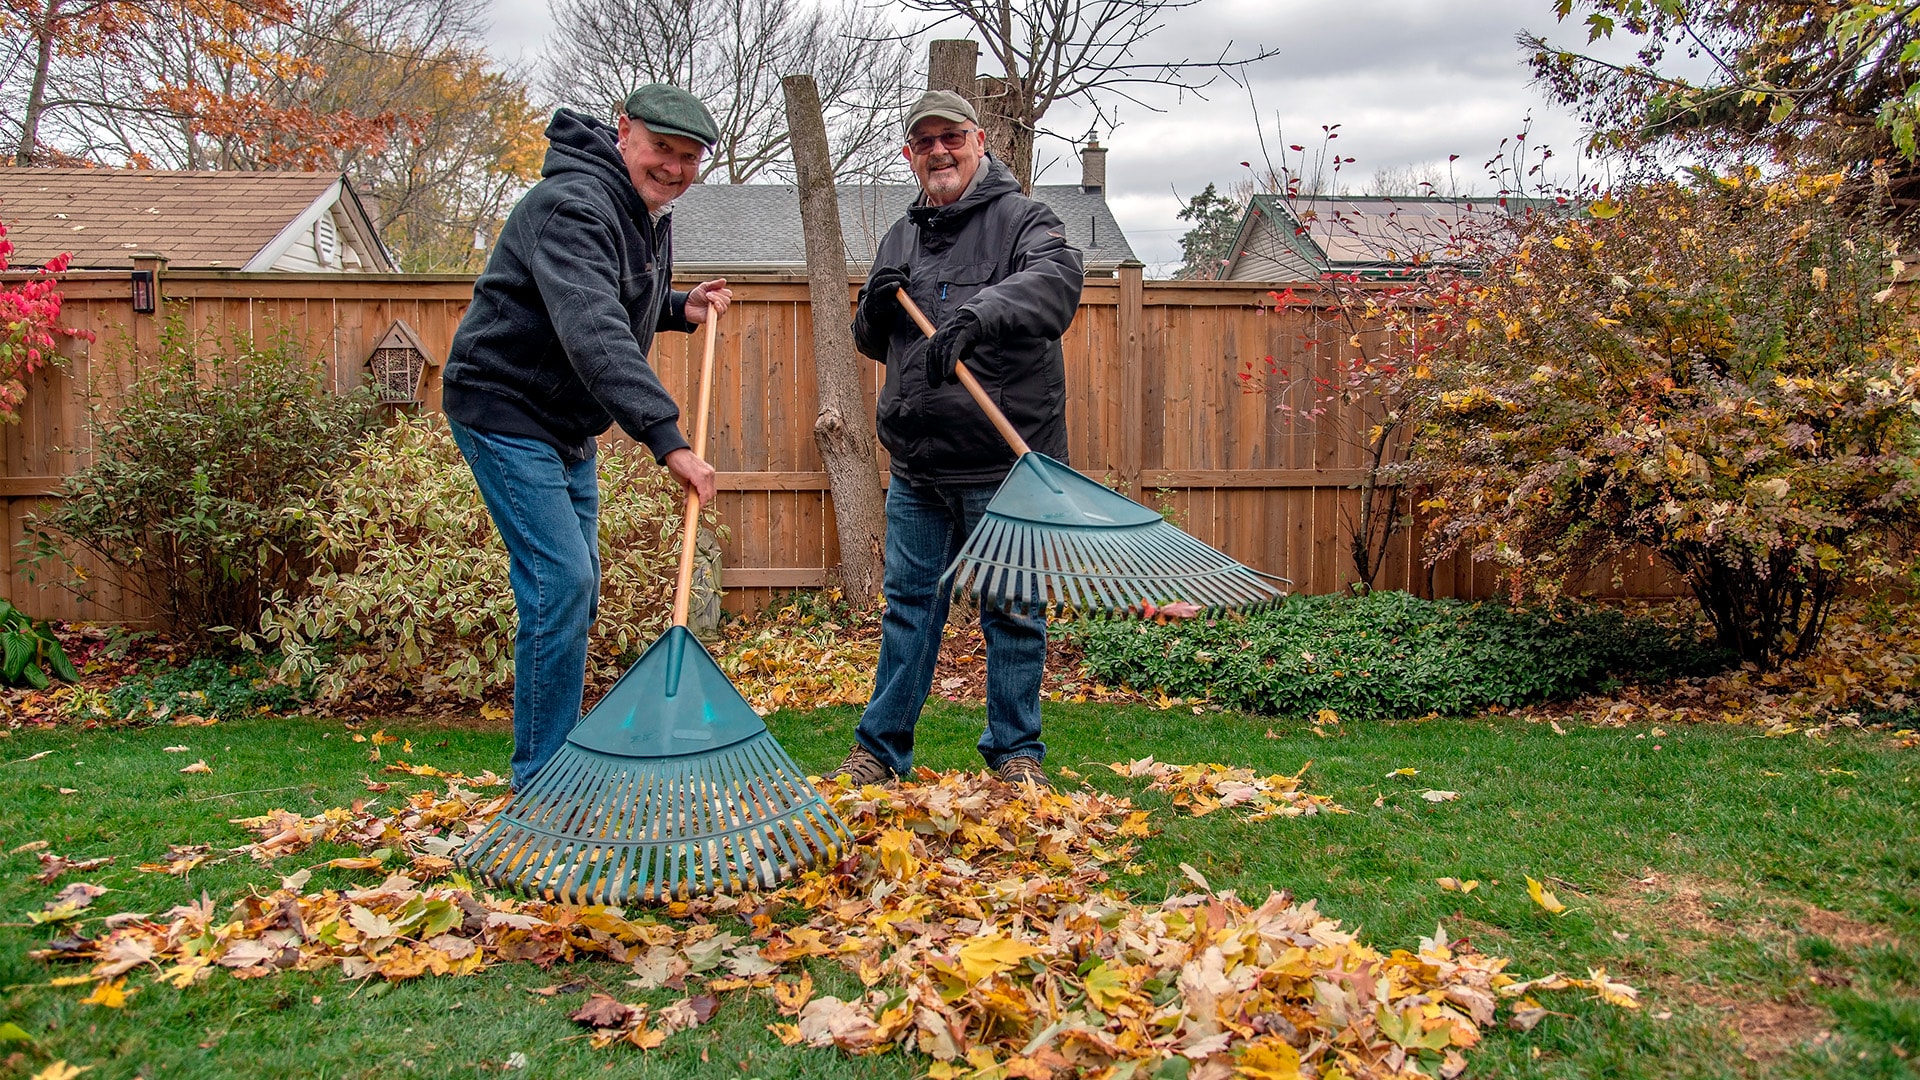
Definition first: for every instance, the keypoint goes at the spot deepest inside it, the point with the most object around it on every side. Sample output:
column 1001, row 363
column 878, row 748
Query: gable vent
column 326, row 241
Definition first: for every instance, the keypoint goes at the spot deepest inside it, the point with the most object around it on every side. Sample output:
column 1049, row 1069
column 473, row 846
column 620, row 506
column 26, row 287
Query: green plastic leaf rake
column 670, row 787
column 1053, row 539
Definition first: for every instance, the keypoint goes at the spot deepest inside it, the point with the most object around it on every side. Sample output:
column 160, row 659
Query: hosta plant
column 30, row 654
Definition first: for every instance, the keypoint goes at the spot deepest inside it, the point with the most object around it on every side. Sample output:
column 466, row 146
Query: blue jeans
column 548, row 512
column 926, row 527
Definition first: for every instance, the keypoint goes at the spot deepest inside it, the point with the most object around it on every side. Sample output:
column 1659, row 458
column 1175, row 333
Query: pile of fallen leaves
column 1867, row 664
column 798, row 657
column 984, row 923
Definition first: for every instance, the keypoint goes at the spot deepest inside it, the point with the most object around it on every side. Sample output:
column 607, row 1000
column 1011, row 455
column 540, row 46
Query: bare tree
column 731, row 54
column 844, row 435
column 1059, row 50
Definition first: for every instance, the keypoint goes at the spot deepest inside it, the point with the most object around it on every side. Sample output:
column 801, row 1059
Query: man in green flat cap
column 552, row 352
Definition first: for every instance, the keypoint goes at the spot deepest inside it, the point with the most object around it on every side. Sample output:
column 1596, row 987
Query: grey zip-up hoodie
column 554, row 346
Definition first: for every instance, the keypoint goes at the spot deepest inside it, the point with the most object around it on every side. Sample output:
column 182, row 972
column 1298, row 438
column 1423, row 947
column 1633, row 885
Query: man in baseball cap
column 994, row 271
column 552, row 352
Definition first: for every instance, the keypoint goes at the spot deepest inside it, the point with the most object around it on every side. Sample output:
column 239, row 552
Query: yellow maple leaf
column 1106, row 987
column 110, row 994
column 788, row 1034
column 790, row 997
column 1268, row 1059
column 896, row 854
column 1403, row 772
column 992, row 954
column 60, row 1070
column 1613, row 993
column 1544, row 898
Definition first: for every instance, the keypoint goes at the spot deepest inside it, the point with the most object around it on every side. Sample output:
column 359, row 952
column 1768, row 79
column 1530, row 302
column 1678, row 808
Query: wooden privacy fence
column 1181, row 393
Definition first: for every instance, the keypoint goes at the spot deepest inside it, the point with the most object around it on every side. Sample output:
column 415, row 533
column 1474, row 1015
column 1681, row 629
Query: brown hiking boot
column 862, row 767
column 1023, row 770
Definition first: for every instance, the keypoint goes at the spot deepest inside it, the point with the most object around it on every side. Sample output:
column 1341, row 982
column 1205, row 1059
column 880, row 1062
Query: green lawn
column 1762, row 893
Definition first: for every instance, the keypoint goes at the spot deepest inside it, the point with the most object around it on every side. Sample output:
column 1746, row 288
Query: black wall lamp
column 143, row 292
column 144, row 286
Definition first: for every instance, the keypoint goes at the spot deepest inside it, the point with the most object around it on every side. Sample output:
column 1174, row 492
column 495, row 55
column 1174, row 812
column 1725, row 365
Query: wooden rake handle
column 683, row 590
column 980, row 398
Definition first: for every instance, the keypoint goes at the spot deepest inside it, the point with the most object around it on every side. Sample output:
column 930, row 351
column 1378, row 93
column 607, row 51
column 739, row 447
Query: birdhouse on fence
column 399, row 366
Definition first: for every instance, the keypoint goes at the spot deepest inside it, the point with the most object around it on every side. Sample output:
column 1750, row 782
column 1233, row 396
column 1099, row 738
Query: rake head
column 671, row 787
column 1054, row 540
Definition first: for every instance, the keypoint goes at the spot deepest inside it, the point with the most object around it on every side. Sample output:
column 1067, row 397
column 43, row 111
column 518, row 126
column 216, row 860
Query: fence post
column 1133, row 376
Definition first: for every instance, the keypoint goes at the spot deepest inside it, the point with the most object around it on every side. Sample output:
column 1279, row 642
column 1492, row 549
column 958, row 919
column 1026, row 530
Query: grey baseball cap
column 670, row 110
column 944, row 104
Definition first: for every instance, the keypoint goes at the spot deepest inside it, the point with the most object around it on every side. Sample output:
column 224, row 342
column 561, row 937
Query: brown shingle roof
column 217, row 220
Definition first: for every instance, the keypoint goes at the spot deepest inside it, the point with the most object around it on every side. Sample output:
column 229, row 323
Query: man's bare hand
column 708, row 300
column 693, row 473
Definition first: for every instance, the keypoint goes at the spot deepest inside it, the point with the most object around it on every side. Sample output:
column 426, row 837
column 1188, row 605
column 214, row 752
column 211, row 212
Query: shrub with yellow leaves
column 412, row 591
column 1722, row 373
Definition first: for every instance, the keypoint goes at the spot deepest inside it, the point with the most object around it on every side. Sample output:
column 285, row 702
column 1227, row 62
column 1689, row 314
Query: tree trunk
column 37, row 94
column 844, row 428
column 1009, row 129
column 950, row 66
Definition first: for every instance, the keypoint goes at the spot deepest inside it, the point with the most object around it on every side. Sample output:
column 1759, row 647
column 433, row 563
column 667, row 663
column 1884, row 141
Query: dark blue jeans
column 926, row 527
column 548, row 511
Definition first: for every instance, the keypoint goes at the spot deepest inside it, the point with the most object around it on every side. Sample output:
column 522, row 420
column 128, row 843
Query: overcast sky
column 1410, row 82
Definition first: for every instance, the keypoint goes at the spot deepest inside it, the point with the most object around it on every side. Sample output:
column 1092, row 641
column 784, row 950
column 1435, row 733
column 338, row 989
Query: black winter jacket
column 1005, row 257
column 554, row 346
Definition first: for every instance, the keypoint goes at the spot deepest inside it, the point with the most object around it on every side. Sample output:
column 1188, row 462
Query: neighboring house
column 737, row 228
column 299, row 222
column 1312, row 237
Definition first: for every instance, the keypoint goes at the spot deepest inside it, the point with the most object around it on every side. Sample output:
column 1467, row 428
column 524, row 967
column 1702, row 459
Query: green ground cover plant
column 206, row 686
column 1392, row 654
column 1759, row 891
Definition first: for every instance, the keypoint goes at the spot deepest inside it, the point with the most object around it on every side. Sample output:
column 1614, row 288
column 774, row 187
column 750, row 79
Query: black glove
column 952, row 342
column 879, row 303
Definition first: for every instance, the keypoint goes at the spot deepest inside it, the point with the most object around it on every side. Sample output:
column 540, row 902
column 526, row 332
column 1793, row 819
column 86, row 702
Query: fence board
column 1155, row 396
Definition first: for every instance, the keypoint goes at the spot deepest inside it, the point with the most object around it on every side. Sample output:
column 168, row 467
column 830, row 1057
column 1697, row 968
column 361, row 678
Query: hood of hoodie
column 997, row 181
column 581, row 144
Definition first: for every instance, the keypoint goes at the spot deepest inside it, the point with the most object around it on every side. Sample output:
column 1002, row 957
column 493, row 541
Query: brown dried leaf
column 602, row 1011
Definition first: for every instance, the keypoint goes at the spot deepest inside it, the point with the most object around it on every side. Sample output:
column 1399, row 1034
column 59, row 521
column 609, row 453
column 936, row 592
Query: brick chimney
column 1093, row 166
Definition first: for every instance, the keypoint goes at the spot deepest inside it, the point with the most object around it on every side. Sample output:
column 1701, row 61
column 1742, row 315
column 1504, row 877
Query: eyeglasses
column 951, row 140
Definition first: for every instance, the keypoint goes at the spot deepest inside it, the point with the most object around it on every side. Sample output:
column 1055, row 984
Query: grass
column 1761, row 892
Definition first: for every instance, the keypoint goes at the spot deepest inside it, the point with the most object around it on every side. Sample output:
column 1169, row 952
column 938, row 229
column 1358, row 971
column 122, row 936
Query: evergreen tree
column 1209, row 244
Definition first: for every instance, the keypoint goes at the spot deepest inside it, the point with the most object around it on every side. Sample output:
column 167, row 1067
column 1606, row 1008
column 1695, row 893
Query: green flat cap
column 670, row 110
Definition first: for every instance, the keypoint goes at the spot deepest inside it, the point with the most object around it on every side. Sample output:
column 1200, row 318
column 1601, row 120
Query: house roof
column 1365, row 234
column 730, row 226
column 220, row 220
